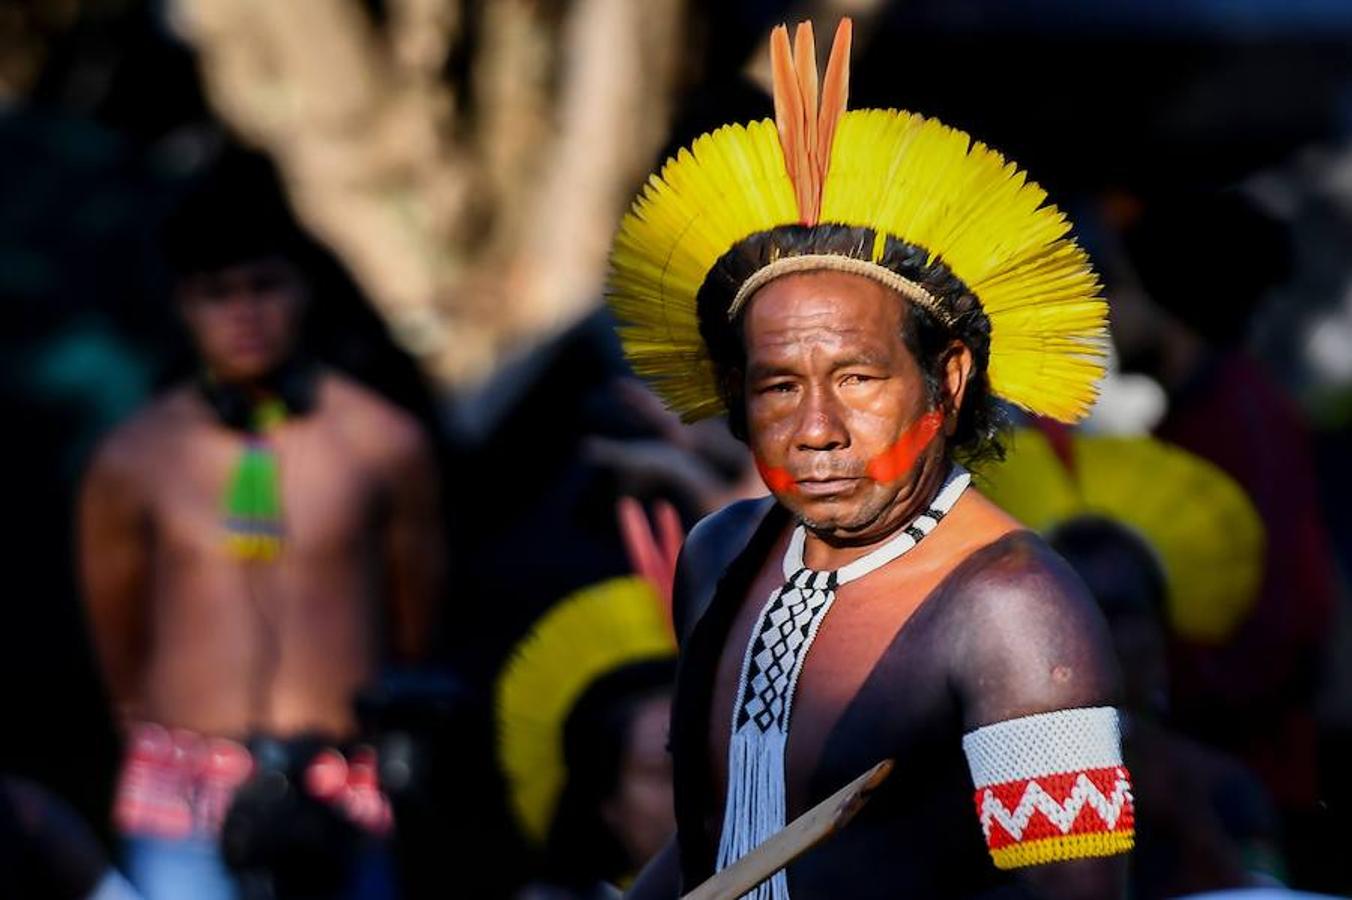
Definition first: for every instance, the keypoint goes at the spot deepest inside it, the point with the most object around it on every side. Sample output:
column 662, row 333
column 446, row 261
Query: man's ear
column 956, row 371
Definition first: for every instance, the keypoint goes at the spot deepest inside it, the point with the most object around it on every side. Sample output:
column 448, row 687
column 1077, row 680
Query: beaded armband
column 1052, row 787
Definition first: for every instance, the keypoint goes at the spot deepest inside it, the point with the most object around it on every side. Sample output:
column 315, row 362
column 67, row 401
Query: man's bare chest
column 329, row 501
column 862, row 628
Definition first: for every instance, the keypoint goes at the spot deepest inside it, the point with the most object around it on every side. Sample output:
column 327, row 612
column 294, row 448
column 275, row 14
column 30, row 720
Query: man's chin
column 832, row 518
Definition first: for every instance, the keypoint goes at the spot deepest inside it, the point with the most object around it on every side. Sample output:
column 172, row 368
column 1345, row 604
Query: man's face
column 831, row 386
column 243, row 318
column 640, row 811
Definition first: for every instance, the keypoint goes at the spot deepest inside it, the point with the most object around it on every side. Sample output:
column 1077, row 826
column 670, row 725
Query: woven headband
column 815, row 262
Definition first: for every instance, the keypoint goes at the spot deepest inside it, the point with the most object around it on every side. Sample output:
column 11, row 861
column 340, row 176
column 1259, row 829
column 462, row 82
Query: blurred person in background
column 583, row 706
column 1184, row 282
column 253, row 545
column 1204, row 822
column 1167, row 543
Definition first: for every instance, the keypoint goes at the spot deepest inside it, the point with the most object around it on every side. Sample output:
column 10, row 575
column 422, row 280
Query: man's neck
column 234, row 401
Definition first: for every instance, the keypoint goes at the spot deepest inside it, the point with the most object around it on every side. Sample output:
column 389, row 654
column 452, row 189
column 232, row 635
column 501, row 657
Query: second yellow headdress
column 587, row 635
column 1208, row 537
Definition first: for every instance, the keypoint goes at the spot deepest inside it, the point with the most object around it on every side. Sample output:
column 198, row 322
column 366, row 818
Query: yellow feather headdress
column 899, row 174
column 587, row 635
column 1208, row 537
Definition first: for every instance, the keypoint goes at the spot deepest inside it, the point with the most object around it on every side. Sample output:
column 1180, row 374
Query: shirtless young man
column 207, row 642
column 856, row 337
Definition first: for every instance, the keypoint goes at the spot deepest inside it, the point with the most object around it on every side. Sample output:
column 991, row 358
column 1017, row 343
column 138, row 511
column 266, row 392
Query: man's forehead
column 848, row 292
column 824, row 302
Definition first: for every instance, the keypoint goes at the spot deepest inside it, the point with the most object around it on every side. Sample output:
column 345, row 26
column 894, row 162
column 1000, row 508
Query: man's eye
column 779, row 387
column 856, row 378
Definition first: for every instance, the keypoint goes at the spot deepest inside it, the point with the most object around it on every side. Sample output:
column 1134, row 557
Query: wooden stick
column 796, row 838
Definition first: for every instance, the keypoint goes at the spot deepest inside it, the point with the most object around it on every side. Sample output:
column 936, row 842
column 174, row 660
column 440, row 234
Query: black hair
column 980, row 419
column 1120, row 569
column 236, row 213
column 581, row 848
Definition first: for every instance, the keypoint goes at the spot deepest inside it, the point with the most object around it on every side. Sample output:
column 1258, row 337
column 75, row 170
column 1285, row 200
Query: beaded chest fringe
column 774, row 659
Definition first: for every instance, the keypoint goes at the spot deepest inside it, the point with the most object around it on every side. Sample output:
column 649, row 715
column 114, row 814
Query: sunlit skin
column 831, row 387
column 243, row 318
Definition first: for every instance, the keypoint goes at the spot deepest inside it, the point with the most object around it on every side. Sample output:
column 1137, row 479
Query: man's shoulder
column 134, row 443
column 1016, row 575
column 366, row 416
column 723, row 527
column 712, row 545
column 1016, row 615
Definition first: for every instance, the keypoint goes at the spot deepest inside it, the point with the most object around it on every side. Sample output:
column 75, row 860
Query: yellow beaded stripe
column 1063, row 847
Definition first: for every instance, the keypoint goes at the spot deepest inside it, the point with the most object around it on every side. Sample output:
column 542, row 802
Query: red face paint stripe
column 898, row 459
column 889, row 465
column 777, row 479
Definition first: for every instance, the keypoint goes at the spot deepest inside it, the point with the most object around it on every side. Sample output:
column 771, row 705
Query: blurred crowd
column 344, row 632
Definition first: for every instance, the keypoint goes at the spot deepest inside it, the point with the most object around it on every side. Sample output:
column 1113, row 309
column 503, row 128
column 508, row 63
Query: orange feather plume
column 805, row 130
column 835, row 91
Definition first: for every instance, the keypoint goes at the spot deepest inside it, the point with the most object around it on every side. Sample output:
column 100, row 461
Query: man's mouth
column 825, row 487
column 820, row 484
column 248, row 342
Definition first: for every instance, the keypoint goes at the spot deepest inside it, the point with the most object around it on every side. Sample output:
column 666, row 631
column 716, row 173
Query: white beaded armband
column 1052, row 787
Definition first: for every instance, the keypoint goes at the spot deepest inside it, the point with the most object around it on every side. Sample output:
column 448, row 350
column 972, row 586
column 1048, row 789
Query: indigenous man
column 853, row 288
column 240, row 539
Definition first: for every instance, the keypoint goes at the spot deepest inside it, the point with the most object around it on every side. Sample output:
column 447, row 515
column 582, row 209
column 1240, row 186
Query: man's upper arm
column 414, row 547
column 1034, row 640
column 114, row 564
column 1037, row 678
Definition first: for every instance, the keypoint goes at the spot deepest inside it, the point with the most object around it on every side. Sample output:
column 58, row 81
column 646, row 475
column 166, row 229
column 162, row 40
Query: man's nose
column 820, row 424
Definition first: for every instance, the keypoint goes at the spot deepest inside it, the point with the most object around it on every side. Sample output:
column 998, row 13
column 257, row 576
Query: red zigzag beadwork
column 1052, row 787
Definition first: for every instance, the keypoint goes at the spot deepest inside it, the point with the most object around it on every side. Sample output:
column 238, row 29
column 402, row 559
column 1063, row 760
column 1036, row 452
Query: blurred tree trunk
column 467, row 159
